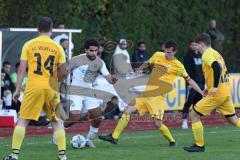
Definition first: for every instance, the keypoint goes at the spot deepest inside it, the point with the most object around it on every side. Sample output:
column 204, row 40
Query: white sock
column 184, row 120
column 92, row 133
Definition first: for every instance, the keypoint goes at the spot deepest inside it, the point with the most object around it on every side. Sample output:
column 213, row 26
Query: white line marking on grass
column 180, row 134
column 126, row 137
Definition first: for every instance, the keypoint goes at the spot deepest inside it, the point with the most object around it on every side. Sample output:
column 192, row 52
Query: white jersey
column 84, row 75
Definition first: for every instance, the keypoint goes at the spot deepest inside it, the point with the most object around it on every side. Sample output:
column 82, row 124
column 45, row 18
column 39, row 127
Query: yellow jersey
column 43, row 56
column 209, row 56
column 164, row 73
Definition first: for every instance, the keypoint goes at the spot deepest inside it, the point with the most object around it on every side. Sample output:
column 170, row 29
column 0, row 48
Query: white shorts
column 83, row 103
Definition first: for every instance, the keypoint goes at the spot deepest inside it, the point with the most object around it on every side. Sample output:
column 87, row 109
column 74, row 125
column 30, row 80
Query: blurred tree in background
column 148, row 20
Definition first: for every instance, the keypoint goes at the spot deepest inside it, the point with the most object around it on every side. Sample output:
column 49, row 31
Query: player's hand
column 205, row 92
column 112, row 79
column 139, row 70
column 16, row 95
column 189, row 87
column 213, row 92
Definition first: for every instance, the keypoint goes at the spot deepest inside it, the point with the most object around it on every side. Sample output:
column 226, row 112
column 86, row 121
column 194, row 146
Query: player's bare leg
column 59, row 134
column 197, row 129
column 234, row 120
column 96, row 116
column 73, row 118
column 17, row 139
column 122, row 123
column 165, row 131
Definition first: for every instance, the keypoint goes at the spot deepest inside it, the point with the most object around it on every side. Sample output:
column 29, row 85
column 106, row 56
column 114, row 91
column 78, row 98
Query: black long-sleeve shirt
column 193, row 65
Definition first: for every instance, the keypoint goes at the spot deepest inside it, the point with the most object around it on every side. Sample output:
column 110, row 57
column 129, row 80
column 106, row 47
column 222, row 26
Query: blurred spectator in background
column 65, row 45
column 14, row 77
column 112, row 110
column 161, row 46
column 217, row 37
column 16, row 105
column 7, row 80
column 6, row 67
column 100, row 52
column 193, row 65
column 61, row 26
column 2, row 80
column 6, row 94
column 62, row 35
column 121, row 59
column 104, row 56
column 140, row 55
column 14, row 80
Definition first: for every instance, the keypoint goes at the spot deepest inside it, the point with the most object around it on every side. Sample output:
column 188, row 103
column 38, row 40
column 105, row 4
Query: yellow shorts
column 37, row 100
column 209, row 103
column 155, row 106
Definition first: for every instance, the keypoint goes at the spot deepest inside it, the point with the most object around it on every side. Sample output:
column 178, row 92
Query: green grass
column 222, row 143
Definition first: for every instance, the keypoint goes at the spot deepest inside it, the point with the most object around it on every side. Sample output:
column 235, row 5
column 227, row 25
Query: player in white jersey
column 84, row 70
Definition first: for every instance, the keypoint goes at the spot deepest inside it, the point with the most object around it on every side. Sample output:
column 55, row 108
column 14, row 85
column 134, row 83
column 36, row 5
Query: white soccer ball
column 78, row 141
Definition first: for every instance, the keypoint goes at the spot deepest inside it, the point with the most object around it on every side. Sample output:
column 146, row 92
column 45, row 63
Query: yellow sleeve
column 154, row 57
column 182, row 72
column 24, row 52
column 62, row 58
column 208, row 58
column 151, row 60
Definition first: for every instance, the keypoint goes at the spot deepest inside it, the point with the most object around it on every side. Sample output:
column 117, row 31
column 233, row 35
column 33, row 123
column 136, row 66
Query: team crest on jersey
column 95, row 65
column 198, row 61
column 169, row 66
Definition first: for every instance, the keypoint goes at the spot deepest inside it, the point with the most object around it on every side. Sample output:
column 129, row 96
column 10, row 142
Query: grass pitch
column 222, row 143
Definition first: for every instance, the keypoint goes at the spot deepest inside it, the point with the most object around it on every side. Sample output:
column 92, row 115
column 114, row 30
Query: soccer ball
column 78, row 141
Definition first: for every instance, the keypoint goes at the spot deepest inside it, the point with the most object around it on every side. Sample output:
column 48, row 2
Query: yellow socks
column 238, row 123
column 197, row 129
column 61, row 142
column 122, row 123
column 166, row 133
column 17, row 139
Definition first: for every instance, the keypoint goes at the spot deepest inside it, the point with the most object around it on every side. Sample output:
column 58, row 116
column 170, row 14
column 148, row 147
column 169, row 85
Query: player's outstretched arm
column 20, row 77
column 111, row 79
column 142, row 67
column 62, row 71
column 195, row 86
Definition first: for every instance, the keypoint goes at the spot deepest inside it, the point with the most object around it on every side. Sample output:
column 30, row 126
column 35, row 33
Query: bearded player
column 84, row 70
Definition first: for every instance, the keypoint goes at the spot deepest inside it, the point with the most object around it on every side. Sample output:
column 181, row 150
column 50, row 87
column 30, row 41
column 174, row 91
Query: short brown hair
column 204, row 38
column 45, row 24
column 170, row 44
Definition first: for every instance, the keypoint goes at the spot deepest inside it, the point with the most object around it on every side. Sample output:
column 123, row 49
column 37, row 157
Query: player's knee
column 127, row 110
column 126, row 116
column 194, row 116
column 74, row 116
column 58, row 125
column 22, row 122
column 75, row 112
column 234, row 120
column 158, row 123
column 96, row 122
